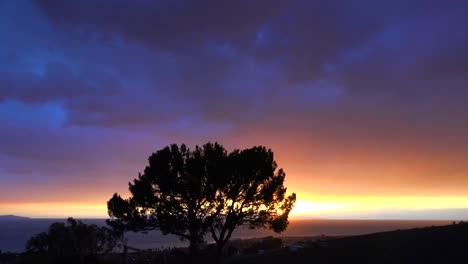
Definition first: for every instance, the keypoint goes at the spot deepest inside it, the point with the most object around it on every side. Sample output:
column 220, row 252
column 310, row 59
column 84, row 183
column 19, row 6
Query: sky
column 364, row 103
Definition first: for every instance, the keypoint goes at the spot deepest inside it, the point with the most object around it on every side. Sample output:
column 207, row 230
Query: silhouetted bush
column 70, row 242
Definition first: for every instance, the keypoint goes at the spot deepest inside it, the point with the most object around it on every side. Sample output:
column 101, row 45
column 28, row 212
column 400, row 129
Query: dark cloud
column 166, row 25
column 393, row 47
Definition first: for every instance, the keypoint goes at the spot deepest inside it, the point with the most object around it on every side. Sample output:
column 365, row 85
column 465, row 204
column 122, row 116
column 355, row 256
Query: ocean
column 15, row 233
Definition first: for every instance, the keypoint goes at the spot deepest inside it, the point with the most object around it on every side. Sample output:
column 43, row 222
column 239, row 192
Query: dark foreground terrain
column 441, row 244
column 437, row 244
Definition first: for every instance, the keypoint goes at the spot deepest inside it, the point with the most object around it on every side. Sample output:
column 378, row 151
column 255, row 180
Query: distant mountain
column 12, row 218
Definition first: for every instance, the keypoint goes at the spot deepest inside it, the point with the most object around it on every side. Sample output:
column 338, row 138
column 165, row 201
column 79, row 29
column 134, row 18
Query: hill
column 12, row 218
column 442, row 244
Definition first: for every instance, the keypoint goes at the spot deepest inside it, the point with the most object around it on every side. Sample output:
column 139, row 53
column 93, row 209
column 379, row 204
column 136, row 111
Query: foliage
column 73, row 238
column 174, row 193
column 191, row 192
column 253, row 195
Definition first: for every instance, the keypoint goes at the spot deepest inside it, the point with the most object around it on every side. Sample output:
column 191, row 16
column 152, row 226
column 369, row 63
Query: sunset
column 362, row 103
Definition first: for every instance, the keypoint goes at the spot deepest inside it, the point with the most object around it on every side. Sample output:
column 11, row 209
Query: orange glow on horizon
column 342, row 206
column 307, row 207
column 55, row 210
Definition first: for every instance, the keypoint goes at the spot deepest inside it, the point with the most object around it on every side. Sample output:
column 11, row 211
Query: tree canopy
column 253, row 194
column 189, row 193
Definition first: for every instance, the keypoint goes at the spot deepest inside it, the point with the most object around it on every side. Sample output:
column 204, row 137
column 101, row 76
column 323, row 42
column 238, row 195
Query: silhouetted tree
column 38, row 243
column 253, row 195
column 188, row 193
column 174, row 194
column 73, row 238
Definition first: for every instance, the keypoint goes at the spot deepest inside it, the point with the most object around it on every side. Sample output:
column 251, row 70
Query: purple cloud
column 97, row 86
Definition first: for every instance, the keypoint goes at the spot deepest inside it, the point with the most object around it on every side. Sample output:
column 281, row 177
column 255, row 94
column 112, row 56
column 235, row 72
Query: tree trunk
column 219, row 251
column 125, row 253
column 194, row 247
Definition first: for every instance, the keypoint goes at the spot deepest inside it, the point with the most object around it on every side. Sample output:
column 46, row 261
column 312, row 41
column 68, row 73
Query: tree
column 253, row 195
column 174, row 194
column 71, row 239
column 189, row 193
column 38, row 244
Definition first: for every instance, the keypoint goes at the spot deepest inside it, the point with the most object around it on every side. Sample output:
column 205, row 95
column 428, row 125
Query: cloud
column 395, row 48
column 338, row 85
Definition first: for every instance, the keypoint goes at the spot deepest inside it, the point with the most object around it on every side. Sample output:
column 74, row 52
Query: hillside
column 442, row 244
column 12, row 218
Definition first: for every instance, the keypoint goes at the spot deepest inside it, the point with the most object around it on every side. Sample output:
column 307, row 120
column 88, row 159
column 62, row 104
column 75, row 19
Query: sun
column 310, row 208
